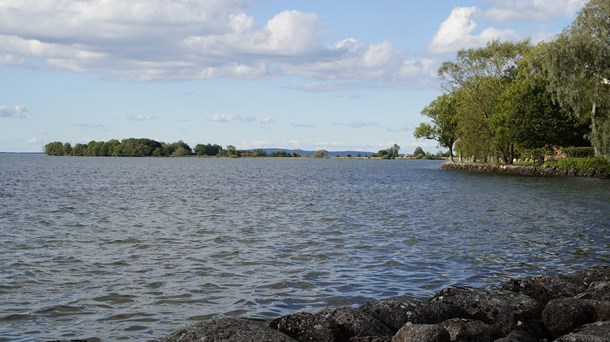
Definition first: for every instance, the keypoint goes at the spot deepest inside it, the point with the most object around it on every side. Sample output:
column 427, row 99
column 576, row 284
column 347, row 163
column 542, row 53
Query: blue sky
column 308, row 74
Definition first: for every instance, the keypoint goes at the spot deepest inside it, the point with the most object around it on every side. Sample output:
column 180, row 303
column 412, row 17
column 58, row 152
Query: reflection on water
column 135, row 248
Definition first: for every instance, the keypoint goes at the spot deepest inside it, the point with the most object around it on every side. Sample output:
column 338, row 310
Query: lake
column 134, row 248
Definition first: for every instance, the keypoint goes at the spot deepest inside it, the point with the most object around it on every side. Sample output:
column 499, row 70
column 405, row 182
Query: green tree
column 419, row 153
column 55, row 148
column 476, row 79
column 443, row 113
column 180, row 149
column 533, row 119
column 578, row 67
column 321, row 154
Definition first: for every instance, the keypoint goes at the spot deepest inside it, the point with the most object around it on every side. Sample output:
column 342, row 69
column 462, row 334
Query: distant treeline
column 142, row 147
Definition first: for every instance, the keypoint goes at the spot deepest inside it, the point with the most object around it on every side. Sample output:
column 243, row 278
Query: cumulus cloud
column 184, row 39
column 456, row 32
column 17, row 111
column 266, row 121
column 459, row 30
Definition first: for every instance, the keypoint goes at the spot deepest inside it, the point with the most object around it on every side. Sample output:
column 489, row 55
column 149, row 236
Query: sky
column 306, row 74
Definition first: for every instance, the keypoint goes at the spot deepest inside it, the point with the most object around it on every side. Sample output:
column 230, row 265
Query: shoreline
column 562, row 307
column 523, row 170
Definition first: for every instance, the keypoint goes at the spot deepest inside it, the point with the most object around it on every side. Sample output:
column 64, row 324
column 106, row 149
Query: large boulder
column 305, row 326
column 469, row 330
column 545, row 288
column 503, row 309
column 395, row 313
column 348, row 322
column 227, row 330
column 518, row 336
column 422, row 333
column 331, row 324
column 563, row 315
column 593, row 332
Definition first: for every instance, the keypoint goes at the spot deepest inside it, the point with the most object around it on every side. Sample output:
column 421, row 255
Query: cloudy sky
column 308, row 74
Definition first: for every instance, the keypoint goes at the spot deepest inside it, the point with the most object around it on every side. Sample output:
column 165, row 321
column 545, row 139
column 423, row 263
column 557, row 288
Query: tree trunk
column 594, row 131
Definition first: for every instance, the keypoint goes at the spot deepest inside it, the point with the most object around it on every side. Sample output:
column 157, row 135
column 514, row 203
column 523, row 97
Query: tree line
column 506, row 100
column 143, row 147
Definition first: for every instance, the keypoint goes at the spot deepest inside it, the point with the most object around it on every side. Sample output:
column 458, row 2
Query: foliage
column 598, row 164
column 389, row 153
column 577, row 63
column 579, row 152
column 443, row 113
column 321, row 154
column 207, row 150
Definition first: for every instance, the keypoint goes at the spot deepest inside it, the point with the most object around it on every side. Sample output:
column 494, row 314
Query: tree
column 55, row 148
column 533, row 119
column 419, row 153
column 476, row 79
column 321, row 154
column 578, row 67
column 443, row 113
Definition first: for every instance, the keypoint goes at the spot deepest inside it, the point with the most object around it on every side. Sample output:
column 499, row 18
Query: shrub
column 598, row 164
column 579, row 152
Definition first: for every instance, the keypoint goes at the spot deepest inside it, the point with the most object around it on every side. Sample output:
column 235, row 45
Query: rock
column 396, row 313
column 469, row 330
column 546, row 288
column 422, row 333
column 598, row 290
column 346, row 322
column 563, row 315
column 518, row 336
column 505, row 310
column 227, row 330
column 305, row 326
column 593, row 332
column 371, row 339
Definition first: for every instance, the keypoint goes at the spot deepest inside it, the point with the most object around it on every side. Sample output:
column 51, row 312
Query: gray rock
column 593, row 332
column 395, row 313
column 563, row 315
column 227, row 330
column 347, row 322
column 546, row 288
column 505, row 310
column 371, row 339
column 469, row 330
column 305, row 326
column 518, row 336
column 422, row 333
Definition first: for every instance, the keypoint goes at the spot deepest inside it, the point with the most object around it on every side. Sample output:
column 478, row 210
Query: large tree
column 578, row 67
column 443, row 113
column 476, row 78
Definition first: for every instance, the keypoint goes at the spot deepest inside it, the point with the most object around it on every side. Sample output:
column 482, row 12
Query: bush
column 598, row 164
column 579, row 152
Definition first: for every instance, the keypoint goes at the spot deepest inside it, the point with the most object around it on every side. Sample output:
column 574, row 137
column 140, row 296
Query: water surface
column 134, row 248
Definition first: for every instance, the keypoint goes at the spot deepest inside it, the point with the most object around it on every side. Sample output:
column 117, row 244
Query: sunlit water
column 122, row 248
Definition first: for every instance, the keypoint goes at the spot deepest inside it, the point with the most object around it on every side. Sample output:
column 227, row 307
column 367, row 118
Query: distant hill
column 305, row 153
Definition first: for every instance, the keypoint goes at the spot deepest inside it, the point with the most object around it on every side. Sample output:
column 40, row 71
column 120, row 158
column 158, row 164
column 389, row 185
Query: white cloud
column 17, row 111
column 459, row 29
column 266, row 120
column 456, row 32
column 184, row 39
column 541, row 10
column 223, row 117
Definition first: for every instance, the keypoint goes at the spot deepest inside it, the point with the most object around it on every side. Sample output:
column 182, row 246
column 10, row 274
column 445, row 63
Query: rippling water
column 122, row 248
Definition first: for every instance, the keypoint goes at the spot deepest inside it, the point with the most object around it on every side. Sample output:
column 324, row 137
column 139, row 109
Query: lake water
column 128, row 248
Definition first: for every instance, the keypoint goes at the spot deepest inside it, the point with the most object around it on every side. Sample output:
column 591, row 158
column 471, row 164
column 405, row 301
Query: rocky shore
column 523, row 170
column 570, row 307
